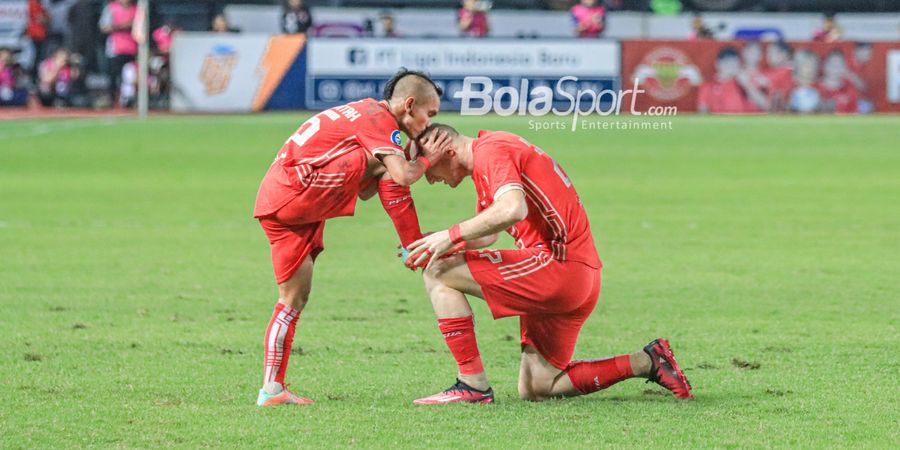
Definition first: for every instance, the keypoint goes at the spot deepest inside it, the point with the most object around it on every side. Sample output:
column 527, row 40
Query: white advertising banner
column 343, row 70
column 216, row 72
column 893, row 76
column 464, row 57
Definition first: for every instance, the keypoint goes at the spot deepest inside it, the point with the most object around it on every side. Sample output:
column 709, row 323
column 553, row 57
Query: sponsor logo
column 478, row 97
column 667, row 73
column 357, row 56
column 395, row 137
column 217, row 67
column 453, row 333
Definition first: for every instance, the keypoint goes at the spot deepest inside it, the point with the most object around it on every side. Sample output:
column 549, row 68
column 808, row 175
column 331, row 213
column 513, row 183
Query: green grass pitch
column 135, row 289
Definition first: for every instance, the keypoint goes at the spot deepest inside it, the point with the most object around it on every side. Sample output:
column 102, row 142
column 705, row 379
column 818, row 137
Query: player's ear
column 408, row 104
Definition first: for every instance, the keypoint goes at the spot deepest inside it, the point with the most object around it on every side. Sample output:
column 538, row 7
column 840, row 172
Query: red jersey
column 556, row 218
column 723, row 97
column 845, row 98
column 361, row 126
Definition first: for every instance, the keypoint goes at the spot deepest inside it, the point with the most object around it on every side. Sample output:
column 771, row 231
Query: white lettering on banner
column 476, row 99
column 336, row 57
column 893, row 76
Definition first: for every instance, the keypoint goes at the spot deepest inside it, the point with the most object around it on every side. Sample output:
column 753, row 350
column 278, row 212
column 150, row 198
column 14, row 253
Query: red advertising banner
column 734, row 77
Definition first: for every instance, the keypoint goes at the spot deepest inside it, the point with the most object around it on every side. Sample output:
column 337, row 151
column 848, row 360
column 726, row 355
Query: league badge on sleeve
column 395, row 137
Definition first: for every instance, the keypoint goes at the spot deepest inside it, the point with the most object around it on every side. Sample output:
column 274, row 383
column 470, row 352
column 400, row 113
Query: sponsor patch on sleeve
column 395, row 137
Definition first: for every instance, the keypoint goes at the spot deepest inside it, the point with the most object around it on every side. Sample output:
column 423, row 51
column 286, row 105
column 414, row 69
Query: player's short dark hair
column 438, row 127
column 784, row 46
column 403, row 73
column 728, row 52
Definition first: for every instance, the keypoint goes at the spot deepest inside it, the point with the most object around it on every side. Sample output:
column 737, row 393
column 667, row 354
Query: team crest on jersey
column 217, row 67
column 395, row 137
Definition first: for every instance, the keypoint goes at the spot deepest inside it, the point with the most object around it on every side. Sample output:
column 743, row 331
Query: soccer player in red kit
column 551, row 281
column 335, row 157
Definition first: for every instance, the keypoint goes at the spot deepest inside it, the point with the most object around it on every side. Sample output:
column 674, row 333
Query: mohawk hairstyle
column 404, row 72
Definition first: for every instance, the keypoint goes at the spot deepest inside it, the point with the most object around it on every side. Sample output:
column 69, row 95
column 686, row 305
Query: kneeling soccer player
column 551, row 281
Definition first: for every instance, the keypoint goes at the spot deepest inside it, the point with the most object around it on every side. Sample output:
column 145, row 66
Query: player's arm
column 404, row 172
column 482, row 242
column 507, row 210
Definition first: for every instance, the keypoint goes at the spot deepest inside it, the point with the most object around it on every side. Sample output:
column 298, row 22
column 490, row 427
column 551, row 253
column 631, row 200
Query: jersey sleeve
column 503, row 168
column 379, row 135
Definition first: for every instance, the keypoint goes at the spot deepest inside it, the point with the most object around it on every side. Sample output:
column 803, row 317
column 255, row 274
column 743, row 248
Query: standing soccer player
column 335, row 157
column 551, row 281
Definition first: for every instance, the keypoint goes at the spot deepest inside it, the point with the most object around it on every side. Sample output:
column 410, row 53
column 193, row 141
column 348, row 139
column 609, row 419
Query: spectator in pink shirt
column 589, row 18
column 7, row 76
column 55, row 79
column 162, row 37
column 472, row 18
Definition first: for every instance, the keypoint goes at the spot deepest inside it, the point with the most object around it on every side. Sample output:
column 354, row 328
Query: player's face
column 446, row 171
column 752, row 54
column 728, row 67
column 417, row 115
column 775, row 55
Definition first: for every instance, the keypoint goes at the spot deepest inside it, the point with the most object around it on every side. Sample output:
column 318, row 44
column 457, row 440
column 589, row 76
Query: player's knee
column 436, row 270
column 294, row 296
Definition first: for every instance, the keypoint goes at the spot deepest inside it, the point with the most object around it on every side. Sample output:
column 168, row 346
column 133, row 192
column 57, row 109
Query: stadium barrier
column 675, row 73
column 237, row 72
column 254, row 72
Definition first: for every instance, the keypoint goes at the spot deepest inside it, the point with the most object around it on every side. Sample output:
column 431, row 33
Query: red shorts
column 291, row 244
column 551, row 298
column 295, row 230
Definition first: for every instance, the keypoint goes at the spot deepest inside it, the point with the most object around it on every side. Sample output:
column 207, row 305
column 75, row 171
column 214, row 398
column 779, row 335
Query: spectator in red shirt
column 589, row 19
column 837, row 92
column 861, row 77
column 472, row 18
column 829, row 31
column 805, row 97
column 779, row 74
column 730, row 92
column 752, row 55
column 36, row 29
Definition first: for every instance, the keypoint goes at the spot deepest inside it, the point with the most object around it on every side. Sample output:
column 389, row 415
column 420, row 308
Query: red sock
column 459, row 332
column 279, row 336
column 592, row 375
column 398, row 203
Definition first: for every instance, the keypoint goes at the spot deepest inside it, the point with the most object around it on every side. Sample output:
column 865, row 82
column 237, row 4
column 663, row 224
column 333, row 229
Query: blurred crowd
column 85, row 56
column 775, row 77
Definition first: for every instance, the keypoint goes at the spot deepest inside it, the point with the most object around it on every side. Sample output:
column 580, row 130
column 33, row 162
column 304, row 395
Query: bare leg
column 295, row 291
column 447, row 281
column 539, row 380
